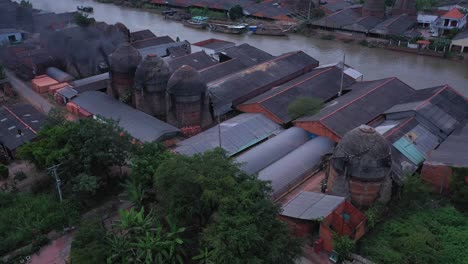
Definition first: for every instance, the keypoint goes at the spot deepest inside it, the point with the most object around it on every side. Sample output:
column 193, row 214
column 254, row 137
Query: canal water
column 417, row 71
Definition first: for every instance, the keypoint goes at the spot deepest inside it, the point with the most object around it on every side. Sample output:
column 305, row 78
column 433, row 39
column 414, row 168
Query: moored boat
column 196, row 22
column 228, row 28
column 87, row 9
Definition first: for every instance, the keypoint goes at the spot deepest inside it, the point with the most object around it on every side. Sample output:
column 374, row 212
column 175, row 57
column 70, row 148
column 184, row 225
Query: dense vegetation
column 420, row 228
column 198, row 209
column 25, row 218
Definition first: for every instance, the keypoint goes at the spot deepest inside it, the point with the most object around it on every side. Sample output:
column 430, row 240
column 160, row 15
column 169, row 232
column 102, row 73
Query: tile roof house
column 453, row 19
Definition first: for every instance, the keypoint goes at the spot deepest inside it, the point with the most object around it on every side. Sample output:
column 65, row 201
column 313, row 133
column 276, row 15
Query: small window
column 12, row 38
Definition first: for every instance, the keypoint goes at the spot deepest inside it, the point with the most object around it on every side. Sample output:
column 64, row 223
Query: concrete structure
column 123, row 63
column 460, row 43
column 186, row 92
column 151, row 79
column 359, row 166
column 10, row 36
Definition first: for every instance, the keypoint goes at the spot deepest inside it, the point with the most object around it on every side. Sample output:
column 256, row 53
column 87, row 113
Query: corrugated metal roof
column 247, row 54
column 221, row 70
column 311, row 205
column 366, row 101
column 453, row 151
column 323, row 84
column 246, row 84
column 237, row 134
column 93, row 83
column 409, row 150
column 19, row 117
column 259, row 157
column 138, row 124
column 292, row 168
column 198, row 60
column 163, row 49
column 152, row 42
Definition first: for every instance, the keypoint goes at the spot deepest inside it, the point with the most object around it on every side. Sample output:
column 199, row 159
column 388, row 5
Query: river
column 417, row 71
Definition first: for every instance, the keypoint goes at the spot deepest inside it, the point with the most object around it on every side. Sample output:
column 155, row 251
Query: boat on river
column 226, row 27
column 270, row 31
column 86, row 9
column 197, row 22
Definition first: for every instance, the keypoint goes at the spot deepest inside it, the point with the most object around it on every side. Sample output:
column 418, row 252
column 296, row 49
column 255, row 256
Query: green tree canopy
column 232, row 211
column 236, row 12
column 303, row 106
column 88, row 146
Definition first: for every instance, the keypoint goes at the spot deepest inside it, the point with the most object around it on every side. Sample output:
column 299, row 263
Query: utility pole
column 310, row 8
column 219, row 132
column 53, row 169
column 342, row 75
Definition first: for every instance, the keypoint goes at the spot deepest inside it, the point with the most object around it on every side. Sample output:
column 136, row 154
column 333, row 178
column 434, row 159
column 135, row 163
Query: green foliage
column 207, row 13
column 423, row 236
column 236, row 12
column 140, row 238
column 23, row 217
column 415, row 192
column 343, row 246
column 88, row 146
column 19, row 176
column 452, row 33
column 303, row 106
column 459, row 188
column 85, row 184
column 374, row 215
column 89, row 245
column 83, row 20
column 233, row 210
column 4, row 172
column 246, row 229
column 55, row 117
column 26, row 4
column 425, row 4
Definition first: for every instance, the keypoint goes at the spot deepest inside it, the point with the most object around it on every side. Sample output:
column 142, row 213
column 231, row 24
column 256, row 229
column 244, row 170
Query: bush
column 83, row 20
column 364, row 43
column 20, row 176
column 4, row 172
column 89, row 245
column 344, row 246
column 27, row 216
column 459, row 188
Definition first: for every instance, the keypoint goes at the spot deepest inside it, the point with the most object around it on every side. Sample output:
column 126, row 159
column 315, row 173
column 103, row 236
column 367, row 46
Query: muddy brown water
column 417, row 71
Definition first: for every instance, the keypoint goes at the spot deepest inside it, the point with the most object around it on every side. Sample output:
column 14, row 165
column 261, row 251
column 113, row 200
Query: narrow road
column 27, row 93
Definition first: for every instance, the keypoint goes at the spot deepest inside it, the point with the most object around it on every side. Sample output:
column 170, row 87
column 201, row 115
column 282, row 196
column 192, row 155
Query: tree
column 236, row 12
column 303, row 106
column 140, row 238
column 422, row 5
column 459, row 188
column 246, row 229
column 231, row 211
column 86, row 185
column 26, row 4
column 88, row 146
column 83, row 20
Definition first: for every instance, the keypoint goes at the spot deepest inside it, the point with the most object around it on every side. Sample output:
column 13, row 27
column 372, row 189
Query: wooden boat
column 87, row 9
column 270, row 30
column 196, row 22
column 228, row 28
